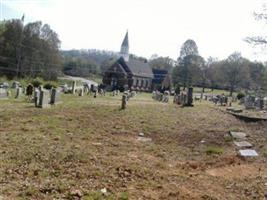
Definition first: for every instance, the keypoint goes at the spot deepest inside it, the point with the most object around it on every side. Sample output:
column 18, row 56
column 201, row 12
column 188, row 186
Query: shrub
column 240, row 95
column 50, row 85
column 37, row 82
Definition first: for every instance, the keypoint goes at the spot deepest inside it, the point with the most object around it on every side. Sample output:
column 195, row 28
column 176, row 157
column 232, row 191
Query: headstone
column 36, row 97
column 44, row 101
column 177, row 90
column 248, row 153
column 55, row 96
column 165, row 97
column 18, row 92
column 73, row 87
column 133, row 93
column 190, row 96
column 177, row 99
column 144, row 139
column 249, row 102
column 259, row 103
column 123, row 101
column 4, row 85
column 243, row 144
column 29, row 90
column 238, row 135
column 3, row 93
column 15, row 84
column 81, row 92
column 141, row 135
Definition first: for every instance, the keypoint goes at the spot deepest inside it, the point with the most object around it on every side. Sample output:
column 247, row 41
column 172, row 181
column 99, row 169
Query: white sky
column 155, row 26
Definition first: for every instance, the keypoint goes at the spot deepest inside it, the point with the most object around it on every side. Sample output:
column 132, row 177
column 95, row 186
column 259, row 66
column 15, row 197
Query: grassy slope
column 87, row 144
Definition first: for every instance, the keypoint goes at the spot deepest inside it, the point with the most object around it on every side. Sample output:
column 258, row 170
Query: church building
column 128, row 73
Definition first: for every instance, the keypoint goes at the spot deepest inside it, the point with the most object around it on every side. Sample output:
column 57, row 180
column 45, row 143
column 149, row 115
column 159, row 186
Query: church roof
column 137, row 67
column 125, row 41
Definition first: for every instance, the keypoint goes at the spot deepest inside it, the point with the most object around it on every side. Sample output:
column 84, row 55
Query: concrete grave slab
column 248, row 153
column 236, row 110
column 243, row 144
column 238, row 135
column 230, row 109
column 144, row 139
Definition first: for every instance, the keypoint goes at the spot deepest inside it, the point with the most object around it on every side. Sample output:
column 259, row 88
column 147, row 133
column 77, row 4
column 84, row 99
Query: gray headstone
column 259, row 103
column 55, row 96
column 73, row 87
column 190, row 96
column 248, row 153
column 18, row 92
column 238, row 135
column 80, row 92
column 243, row 144
column 44, row 99
column 123, row 101
column 249, row 102
column 36, row 97
column 3, row 93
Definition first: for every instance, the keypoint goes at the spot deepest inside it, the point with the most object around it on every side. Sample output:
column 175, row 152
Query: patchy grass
column 87, row 144
column 214, row 150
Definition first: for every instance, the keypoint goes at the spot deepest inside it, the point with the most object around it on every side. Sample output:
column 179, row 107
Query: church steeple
column 125, row 48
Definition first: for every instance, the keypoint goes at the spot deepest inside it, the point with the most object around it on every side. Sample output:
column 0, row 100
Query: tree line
column 33, row 50
column 232, row 73
column 29, row 50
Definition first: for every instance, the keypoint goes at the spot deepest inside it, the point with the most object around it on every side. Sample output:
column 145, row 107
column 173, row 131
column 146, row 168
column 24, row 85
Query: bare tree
column 259, row 16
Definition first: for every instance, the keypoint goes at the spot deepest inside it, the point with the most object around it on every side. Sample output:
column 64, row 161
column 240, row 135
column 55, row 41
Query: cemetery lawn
column 85, row 145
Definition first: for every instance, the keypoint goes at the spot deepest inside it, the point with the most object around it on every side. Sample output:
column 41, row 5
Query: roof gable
column 137, row 67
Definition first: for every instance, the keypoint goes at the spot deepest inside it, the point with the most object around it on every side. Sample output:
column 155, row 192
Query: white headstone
column 243, row 144
column 248, row 153
column 238, row 135
column 144, row 139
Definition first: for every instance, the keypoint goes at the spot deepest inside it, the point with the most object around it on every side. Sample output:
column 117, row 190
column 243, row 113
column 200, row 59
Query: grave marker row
column 185, row 98
column 45, row 98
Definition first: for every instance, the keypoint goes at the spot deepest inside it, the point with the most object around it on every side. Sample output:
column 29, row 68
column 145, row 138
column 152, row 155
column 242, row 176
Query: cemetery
column 110, row 145
column 159, row 118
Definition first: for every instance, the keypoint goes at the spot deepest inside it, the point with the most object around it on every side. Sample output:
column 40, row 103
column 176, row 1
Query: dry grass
column 87, row 144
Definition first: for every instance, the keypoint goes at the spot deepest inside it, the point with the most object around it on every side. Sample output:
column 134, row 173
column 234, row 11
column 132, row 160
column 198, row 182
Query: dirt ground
column 85, row 145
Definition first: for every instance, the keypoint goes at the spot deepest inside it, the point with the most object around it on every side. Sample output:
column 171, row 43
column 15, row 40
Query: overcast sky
column 155, row 26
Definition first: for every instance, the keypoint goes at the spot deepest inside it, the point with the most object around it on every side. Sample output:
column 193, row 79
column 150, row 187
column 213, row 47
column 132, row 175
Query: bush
column 37, row 82
column 50, row 85
column 240, row 95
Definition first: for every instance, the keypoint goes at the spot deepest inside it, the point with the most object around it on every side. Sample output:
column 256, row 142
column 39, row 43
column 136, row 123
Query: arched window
column 142, row 83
